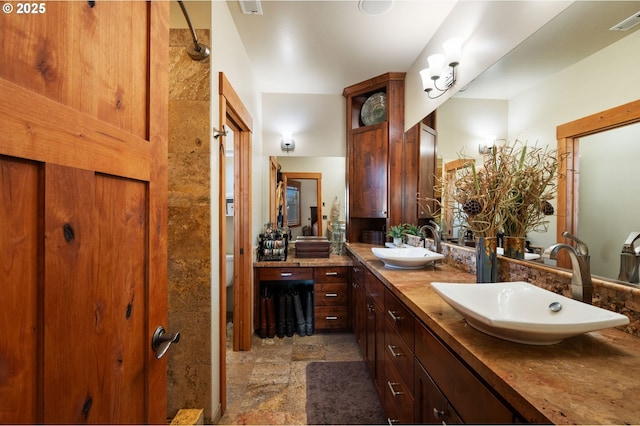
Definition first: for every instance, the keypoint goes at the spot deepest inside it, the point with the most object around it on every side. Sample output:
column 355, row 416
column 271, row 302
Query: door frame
column 234, row 114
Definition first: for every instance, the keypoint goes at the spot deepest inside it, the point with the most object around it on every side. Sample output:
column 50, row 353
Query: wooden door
column 368, row 172
column 83, row 212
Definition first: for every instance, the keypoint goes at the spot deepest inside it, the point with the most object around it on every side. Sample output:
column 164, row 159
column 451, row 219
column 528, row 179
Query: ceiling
column 321, row 47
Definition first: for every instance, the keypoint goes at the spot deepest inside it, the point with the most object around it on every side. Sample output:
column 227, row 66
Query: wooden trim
column 312, row 176
column 158, row 217
column 236, row 109
column 60, row 138
column 568, row 135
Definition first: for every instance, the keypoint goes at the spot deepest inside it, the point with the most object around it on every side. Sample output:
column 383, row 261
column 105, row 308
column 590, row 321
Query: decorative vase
column 514, row 247
column 397, row 241
column 486, row 259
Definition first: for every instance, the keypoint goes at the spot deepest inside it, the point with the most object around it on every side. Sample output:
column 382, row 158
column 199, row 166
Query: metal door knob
column 161, row 341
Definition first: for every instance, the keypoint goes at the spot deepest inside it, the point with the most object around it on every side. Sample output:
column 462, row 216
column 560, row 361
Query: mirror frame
column 568, row 135
column 312, row 176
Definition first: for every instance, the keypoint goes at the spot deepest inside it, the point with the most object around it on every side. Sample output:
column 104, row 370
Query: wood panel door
column 368, row 180
column 83, row 212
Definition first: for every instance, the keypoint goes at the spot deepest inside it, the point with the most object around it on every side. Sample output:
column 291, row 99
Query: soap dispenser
column 630, row 260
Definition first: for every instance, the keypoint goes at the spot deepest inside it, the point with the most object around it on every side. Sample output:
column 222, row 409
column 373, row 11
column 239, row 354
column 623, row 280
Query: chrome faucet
column 630, row 260
column 435, row 231
column 581, row 286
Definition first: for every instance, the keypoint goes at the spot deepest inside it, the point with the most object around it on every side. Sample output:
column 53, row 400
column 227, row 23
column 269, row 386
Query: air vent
column 628, row 23
column 251, row 7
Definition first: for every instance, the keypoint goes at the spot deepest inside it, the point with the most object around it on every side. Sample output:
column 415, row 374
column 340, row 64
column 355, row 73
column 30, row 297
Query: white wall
column 604, row 80
column 228, row 56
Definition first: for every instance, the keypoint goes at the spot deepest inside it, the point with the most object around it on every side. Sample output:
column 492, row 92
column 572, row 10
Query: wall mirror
column 597, row 199
column 591, row 201
column 322, row 179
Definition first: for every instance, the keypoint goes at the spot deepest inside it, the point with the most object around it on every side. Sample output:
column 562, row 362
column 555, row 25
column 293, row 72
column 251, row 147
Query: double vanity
column 430, row 366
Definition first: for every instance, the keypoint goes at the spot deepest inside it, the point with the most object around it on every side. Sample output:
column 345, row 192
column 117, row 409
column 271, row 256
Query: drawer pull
column 393, row 352
column 331, row 318
column 286, row 274
column 331, row 295
column 370, row 307
column 356, row 269
column 392, row 421
column 393, row 391
column 437, row 413
column 394, row 316
column 331, row 274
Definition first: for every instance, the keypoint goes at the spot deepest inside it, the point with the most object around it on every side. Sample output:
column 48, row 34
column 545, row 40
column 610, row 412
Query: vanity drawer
column 374, row 287
column 285, row 274
column 470, row 397
column 331, row 317
column 400, row 318
column 398, row 397
column 328, row 274
column 330, row 294
column 399, row 354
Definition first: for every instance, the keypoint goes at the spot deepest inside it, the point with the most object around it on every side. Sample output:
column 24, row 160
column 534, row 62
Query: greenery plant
column 396, row 231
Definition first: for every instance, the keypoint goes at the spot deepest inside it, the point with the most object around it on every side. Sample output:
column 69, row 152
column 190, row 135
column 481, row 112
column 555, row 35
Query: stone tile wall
column 606, row 294
column 189, row 282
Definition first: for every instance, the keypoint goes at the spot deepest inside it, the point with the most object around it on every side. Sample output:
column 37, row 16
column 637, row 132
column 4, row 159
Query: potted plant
column 413, row 235
column 396, row 232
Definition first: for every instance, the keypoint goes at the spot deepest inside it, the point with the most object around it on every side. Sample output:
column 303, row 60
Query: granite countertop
column 293, row 261
column 588, row 379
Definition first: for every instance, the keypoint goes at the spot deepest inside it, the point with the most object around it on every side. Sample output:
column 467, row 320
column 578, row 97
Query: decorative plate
column 374, row 109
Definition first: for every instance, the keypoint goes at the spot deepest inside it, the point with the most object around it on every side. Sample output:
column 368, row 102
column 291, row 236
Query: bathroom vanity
column 462, row 375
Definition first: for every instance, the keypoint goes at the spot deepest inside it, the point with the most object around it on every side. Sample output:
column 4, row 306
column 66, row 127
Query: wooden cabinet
column 357, row 303
column 331, row 309
column 464, row 392
column 368, row 166
column 374, row 346
column 431, row 406
column 398, row 401
column 375, row 158
column 330, row 288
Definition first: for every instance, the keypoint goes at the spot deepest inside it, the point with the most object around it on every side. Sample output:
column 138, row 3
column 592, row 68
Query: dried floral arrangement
column 510, row 193
column 534, row 185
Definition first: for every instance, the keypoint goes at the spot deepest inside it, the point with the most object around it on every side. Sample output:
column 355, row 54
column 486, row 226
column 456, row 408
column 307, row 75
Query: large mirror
column 585, row 52
column 323, row 186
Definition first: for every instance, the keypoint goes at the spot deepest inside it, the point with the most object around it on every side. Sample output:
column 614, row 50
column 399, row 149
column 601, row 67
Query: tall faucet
column 630, row 260
column 435, row 231
column 581, row 286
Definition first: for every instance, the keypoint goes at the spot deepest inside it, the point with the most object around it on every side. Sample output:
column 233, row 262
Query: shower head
column 196, row 50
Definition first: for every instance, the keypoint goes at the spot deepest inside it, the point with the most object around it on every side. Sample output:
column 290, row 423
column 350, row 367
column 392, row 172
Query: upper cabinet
column 375, row 159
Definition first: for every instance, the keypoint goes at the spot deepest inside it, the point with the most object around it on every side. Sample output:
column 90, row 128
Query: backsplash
column 608, row 295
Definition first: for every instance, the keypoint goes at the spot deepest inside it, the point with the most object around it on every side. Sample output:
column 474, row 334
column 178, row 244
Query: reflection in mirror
column 332, row 187
column 292, row 202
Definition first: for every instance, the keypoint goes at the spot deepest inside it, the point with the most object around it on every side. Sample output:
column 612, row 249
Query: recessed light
column 375, row 7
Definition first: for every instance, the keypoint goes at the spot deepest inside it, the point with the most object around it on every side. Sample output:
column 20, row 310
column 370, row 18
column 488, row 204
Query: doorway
column 235, row 118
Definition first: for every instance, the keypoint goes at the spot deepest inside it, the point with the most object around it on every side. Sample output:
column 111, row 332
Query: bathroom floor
column 267, row 384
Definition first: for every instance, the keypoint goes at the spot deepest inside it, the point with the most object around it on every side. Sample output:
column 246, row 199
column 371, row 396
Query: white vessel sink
column 406, row 257
column 521, row 312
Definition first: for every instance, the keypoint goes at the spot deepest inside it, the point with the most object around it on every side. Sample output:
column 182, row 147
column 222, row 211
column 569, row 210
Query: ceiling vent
column 251, row 7
column 628, row 23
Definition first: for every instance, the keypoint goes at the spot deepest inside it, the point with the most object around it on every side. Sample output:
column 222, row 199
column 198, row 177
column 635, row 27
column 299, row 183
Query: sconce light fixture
column 287, row 143
column 487, row 147
column 441, row 74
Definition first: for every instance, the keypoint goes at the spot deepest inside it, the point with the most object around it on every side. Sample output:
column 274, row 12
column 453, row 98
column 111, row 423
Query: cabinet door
column 431, row 407
column 368, row 183
column 371, row 335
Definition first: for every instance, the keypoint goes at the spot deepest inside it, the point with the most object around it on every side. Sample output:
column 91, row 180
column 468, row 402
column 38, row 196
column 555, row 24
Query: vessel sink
column 523, row 313
column 406, row 257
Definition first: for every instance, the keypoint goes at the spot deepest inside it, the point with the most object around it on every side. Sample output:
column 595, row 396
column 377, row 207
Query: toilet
column 229, row 260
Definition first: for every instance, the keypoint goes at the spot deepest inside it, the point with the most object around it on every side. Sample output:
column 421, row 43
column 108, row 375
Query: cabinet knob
column 437, row 413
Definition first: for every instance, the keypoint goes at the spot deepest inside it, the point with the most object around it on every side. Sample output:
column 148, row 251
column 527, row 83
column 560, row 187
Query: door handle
column 161, row 341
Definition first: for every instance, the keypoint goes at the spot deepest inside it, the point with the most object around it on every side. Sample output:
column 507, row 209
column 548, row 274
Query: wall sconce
column 487, row 148
column 287, row 143
column 438, row 72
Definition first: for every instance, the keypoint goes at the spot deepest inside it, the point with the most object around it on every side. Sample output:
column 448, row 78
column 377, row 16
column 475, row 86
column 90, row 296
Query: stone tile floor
column 267, row 385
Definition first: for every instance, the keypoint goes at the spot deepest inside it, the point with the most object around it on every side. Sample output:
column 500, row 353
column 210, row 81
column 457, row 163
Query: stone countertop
column 293, row 261
column 588, row 379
